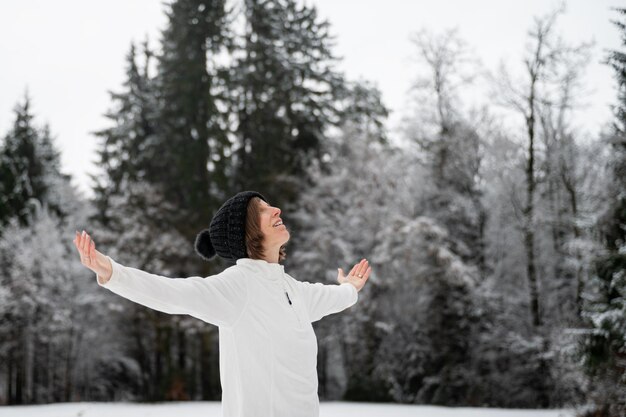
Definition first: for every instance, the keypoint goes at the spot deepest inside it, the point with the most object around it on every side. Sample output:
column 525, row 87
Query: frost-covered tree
column 30, row 171
column 43, row 323
column 164, row 172
column 543, row 98
column 345, row 206
column 362, row 202
column 46, row 312
column 128, row 148
column 603, row 348
column 362, row 109
column 560, row 204
column 448, row 138
column 284, row 94
column 191, row 166
column 427, row 329
column 154, row 343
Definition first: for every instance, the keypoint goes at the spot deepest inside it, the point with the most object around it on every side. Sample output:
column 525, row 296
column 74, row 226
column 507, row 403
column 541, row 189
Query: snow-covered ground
column 212, row 409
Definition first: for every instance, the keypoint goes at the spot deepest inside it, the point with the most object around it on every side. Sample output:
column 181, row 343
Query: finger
column 82, row 243
column 86, row 243
column 92, row 252
column 88, row 247
column 367, row 274
column 353, row 270
column 364, row 280
column 362, row 267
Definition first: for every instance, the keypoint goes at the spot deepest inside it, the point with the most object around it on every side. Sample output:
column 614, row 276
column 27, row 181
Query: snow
column 213, row 409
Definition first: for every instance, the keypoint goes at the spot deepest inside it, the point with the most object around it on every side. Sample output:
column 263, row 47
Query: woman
column 268, row 349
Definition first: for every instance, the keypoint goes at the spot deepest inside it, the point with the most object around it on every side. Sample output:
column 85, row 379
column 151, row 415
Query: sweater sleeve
column 324, row 299
column 218, row 299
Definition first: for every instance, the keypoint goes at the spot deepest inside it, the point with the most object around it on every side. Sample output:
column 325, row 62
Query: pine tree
column 191, row 166
column 165, row 172
column 127, row 148
column 285, row 91
column 20, row 169
column 362, row 109
column 190, row 170
column 30, row 173
column 604, row 346
column 58, row 195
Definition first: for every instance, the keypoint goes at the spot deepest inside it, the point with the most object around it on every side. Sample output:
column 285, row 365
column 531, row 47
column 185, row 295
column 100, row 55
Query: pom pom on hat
column 203, row 245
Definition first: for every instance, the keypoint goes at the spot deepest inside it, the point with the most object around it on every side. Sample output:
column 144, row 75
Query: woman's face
column 274, row 236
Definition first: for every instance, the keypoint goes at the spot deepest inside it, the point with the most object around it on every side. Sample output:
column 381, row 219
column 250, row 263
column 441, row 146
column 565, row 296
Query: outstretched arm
column 322, row 299
column 218, row 299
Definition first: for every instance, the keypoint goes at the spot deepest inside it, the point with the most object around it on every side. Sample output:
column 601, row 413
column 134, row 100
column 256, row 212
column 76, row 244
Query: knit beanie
column 226, row 234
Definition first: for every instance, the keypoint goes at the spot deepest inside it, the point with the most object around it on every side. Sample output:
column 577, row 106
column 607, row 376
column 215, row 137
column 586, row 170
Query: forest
column 496, row 232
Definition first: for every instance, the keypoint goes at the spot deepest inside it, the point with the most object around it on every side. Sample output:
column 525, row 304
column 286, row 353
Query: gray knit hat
column 226, row 234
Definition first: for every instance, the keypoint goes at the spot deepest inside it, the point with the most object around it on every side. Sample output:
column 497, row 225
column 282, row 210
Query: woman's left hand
column 358, row 275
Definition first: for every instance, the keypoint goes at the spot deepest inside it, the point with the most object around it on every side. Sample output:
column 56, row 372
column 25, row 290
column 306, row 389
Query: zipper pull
column 288, row 299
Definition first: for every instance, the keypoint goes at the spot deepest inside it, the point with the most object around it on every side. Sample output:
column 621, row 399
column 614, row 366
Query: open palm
column 358, row 275
column 90, row 257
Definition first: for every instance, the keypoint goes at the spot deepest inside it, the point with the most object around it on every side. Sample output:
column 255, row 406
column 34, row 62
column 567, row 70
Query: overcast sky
column 69, row 54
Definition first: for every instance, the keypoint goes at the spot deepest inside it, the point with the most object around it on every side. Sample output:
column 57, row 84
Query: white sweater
column 268, row 349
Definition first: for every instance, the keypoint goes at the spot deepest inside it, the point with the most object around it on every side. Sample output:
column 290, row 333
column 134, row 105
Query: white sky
column 70, row 53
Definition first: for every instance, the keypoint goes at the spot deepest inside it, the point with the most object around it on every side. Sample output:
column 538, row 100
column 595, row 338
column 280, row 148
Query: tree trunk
column 9, row 392
column 205, row 351
column 529, row 233
column 571, row 190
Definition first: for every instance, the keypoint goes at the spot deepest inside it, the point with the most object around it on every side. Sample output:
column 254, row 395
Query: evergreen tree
column 161, row 158
column 127, row 149
column 137, row 237
column 58, row 194
column 19, row 167
column 30, row 170
column 285, row 92
column 604, row 345
column 190, row 164
column 362, row 109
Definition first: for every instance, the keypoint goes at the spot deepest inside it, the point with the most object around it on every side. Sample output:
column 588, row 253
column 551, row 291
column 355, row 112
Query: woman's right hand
column 91, row 258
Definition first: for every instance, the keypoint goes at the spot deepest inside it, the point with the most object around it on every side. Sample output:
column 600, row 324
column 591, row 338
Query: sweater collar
column 270, row 270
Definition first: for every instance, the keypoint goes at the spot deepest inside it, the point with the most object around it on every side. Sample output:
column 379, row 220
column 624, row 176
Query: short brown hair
column 254, row 235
